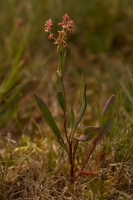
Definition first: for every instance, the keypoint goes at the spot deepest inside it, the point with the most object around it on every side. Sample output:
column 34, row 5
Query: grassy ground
column 32, row 166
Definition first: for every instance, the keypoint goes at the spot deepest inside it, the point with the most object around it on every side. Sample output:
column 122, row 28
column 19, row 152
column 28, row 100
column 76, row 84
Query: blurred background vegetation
column 100, row 50
column 99, row 53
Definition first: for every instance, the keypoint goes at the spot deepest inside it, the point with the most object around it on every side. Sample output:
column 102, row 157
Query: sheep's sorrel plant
column 67, row 140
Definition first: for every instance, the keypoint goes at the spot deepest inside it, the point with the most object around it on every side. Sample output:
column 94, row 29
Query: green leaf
column 83, row 107
column 50, row 121
column 107, row 127
column 107, row 119
column 89, row 133
column 48, row 116
column 72, row 118
column 107, row 110
column 82, row 111
column 61, row 101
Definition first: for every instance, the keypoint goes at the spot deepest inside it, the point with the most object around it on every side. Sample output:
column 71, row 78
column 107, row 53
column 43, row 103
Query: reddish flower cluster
column 66, row 24
column 48, row 26
column 66, row 29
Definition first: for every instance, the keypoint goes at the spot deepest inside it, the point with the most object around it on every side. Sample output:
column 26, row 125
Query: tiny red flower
column 48, row 25
column 64, row 43
column 62, row 34
column 66, row 24
column 51, row 36
column 66, row 17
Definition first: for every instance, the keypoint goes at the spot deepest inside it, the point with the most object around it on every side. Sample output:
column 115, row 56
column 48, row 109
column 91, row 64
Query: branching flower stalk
column 61, row 44
column 91, row 133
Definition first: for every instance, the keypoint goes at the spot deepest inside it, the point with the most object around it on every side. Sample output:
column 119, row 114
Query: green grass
column 32, row 166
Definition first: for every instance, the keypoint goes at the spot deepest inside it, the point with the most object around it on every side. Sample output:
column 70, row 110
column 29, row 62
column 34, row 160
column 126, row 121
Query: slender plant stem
column 65, row 129
column 71, row 164
column 63, row 87
column 75, row 150
column 65, row 114
column 72, row 133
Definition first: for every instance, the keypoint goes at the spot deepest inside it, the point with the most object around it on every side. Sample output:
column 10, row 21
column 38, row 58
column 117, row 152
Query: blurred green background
column 100, row 50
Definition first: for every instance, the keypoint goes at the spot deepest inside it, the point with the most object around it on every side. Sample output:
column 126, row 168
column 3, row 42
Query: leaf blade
column 89, row 133
column 107, row 110
column 107, row 127
column 48, row 116
column 72, row 118
column 61, row 101
column 107, row 119
column 83, row 108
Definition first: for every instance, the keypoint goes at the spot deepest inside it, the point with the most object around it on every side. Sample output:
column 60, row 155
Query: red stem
column 86, row 161
column 88, row 157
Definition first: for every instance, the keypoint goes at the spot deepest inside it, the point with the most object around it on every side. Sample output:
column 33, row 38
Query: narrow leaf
column 83, row 107
column 91, row 129
column 48, row 116
column 89, row 133
column 72, row 118
column 61, row 101
column 107, row 119
column 107, row 110
column 107, row 127
column 108, row 106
